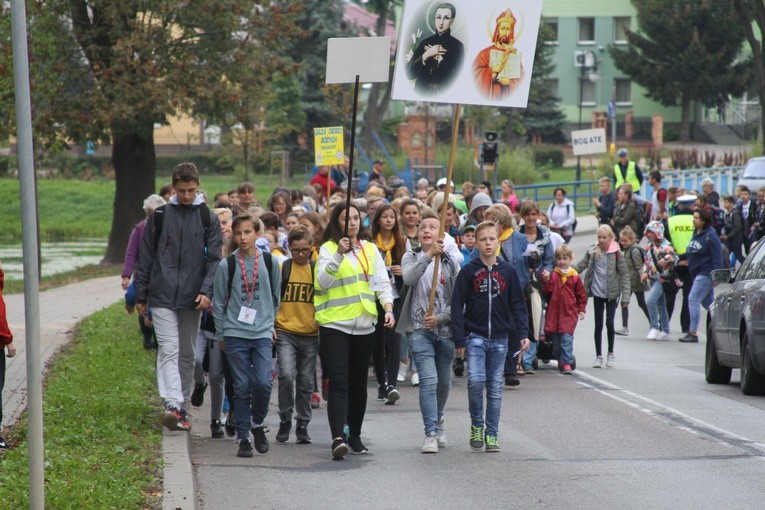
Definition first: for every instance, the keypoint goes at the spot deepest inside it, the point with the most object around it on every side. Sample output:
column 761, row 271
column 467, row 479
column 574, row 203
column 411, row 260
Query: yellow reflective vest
column 631, row 177
column 680, row 231
column 350, row 294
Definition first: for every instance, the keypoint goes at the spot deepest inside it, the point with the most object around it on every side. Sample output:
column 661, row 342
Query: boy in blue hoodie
column 487, row 309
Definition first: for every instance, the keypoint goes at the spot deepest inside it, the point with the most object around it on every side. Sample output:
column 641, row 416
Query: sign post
column 349, row 60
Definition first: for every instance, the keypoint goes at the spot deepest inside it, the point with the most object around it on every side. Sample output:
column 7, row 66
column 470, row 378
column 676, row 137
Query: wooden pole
column 350, row 163
column 445, row 203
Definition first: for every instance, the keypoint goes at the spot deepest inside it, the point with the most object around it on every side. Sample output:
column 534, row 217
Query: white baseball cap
column 442, row 182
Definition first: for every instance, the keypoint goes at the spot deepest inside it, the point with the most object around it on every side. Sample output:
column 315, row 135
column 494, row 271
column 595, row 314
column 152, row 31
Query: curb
column 178, row 487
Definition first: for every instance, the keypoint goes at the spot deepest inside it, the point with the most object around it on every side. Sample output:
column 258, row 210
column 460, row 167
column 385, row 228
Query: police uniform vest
column 680, row 231
column 630, row 178
column 350, row 294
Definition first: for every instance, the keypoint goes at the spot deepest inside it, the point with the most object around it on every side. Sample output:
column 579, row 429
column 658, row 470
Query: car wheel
column 714, row 372
column 752, row 382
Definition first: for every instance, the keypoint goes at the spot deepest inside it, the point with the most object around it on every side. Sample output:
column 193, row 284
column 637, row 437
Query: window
column 588, row 92
column 587, row 30
column 623, row 88
column 553, row 24
column 552, row 86
column 621, row 27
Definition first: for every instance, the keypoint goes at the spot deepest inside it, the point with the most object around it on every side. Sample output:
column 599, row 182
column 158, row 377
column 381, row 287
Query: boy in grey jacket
column 180, row 250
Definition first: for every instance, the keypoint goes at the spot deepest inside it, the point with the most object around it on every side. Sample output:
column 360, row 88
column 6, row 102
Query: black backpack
column 287, row 269
column 231, row 266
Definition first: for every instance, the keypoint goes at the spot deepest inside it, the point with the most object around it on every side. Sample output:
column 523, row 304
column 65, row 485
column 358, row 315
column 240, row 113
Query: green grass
column 73, row 276
column 101, row 424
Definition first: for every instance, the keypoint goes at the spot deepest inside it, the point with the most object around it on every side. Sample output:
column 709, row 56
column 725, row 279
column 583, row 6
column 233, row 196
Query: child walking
column 487, row 309
column 297, row 338
column 634, row 256
column 606, row 280
column 245, row 302
column 567, row 301
column 431, row 342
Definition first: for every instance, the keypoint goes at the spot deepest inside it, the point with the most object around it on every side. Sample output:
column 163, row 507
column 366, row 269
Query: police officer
column 679, row 233
column 627, row 171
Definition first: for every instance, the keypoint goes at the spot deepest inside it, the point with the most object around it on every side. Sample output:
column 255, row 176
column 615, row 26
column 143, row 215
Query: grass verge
column 76, row 275
column 103, row 440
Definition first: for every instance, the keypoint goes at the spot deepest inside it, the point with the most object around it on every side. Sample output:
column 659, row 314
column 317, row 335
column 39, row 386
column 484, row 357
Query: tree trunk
column 745, row 13
column 134, row 163
column 685, row 117
column 379, row 95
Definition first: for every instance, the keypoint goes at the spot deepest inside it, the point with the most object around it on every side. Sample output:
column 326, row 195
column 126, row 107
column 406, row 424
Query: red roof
column 367, row 23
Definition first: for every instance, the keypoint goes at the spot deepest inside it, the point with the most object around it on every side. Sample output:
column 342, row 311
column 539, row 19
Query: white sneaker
column 652, row 334
column 415, row 379
column 622, row 332
column 610, row 360
column 598, row 362
column 430, row 445
column 402, row 368
column 441, row 434
column 663, row 335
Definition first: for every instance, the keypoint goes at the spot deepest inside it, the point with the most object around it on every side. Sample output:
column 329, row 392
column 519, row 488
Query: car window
column 753, row 267
column 754, row 170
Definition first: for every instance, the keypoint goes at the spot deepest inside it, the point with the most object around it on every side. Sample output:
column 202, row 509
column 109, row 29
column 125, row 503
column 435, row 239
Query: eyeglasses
column 301, row 251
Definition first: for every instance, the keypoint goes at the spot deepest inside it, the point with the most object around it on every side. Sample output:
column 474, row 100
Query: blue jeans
column 563, row 347
column 486, row 359
column 250, row 364
column 528, row 356
column 656, row 302
column 702, row 293
column 433, row 359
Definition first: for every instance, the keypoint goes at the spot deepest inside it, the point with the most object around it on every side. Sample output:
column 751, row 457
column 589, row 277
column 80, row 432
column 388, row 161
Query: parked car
column 753, row 175
column 736, row 325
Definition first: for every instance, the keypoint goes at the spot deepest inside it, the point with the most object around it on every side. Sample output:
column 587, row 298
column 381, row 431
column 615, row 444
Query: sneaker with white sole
column 598, row 363
column 663, row 335
column 441, row 434
column 402, row 369
column 622, row 332
column 652, row 334
column 415, row 379
column 430, row 445
column 610, row 360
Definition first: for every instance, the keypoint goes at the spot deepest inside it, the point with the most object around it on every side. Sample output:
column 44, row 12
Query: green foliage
column 103, row 440
column 548, row 155
column 522, row 167
column 671, row 134
column 686, row 50
column 543, row 119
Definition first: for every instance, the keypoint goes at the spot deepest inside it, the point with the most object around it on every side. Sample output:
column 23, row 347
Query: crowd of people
column 238, row 294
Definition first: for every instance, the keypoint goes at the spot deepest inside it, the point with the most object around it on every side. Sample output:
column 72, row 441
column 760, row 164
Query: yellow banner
column 328, row 145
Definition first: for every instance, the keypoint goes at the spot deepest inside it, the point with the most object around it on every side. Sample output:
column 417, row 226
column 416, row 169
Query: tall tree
column 686, row 50
column 543, row 119
column 147, row 61
column 749, row 12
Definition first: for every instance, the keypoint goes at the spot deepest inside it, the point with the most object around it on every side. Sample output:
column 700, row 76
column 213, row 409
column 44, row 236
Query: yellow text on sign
column 328, row 145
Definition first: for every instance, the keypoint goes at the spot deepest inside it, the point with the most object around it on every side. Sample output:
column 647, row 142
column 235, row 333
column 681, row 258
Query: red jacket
column 565, row 301
column 322, row 179
column 5, row 333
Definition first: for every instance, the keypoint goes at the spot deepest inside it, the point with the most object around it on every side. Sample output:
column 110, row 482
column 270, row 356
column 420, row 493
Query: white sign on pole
column 467, row 52
column 589, row 141
column 367, row 57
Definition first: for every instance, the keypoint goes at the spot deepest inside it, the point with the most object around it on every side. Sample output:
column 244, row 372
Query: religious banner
column 328, row 145
column 467, row 52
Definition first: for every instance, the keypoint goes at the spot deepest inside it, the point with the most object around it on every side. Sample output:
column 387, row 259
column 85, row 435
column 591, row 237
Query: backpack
column 718, row 218
column 231, row 266
column 159, row 219
column 573, row 225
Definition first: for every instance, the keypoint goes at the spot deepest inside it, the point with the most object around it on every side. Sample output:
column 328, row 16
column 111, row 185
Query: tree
column 753, row 11
column 543, row 119
column 686, row 50
column 146, row 61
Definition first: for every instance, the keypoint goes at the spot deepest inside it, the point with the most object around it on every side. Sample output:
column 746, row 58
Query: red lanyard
column 363, row 262
column 247, row 289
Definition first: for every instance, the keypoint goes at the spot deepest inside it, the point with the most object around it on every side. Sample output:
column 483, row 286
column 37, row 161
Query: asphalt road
column 649, row 433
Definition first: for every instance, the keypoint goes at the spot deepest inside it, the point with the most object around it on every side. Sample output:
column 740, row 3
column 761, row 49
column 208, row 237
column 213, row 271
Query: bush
column 548, row 156
column 671, row 134
column 522, row 167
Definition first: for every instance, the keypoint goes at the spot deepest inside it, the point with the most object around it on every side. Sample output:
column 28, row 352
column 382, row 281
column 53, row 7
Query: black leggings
column 345, row 361
column 640, row 296
column 610, row 307
column 2, row 380
column 387, row 348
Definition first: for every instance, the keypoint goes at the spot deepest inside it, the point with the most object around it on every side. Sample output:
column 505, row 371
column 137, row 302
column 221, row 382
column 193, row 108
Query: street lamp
column 588, row 66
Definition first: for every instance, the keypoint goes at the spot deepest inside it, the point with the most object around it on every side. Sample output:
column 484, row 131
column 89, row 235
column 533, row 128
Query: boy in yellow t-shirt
column 297, row 338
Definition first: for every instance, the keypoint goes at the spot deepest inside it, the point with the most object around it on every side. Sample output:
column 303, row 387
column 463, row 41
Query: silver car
column 753, row 175
column 736, row 325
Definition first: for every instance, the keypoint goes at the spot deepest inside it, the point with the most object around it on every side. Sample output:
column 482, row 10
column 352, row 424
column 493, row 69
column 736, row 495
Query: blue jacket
column 704, row 252
column 491, row 307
